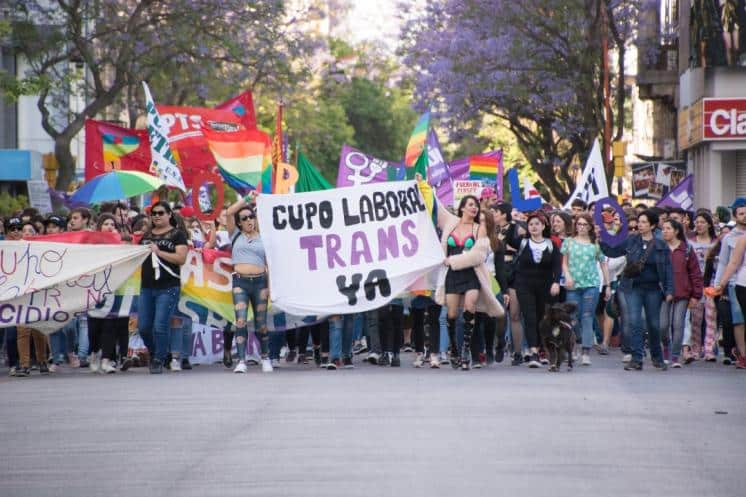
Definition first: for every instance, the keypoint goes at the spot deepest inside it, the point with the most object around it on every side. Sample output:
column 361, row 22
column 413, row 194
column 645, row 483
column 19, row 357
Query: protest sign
column 38, row 195
column 346, row 250
column 43, row 284
column 654, row 180
column 462, row 188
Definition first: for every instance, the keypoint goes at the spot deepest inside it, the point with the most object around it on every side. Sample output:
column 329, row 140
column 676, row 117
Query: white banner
column 592, row 185
column 348, row 249
column 164, row 164
column 43, row 284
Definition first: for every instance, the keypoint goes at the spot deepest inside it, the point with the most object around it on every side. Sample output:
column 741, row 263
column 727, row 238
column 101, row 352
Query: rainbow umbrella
column 116, row 185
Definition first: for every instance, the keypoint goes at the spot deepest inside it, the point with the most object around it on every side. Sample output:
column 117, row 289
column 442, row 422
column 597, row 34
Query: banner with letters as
column 348, row 249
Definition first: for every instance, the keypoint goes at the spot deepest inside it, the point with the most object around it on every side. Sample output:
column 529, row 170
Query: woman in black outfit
column 537, row 276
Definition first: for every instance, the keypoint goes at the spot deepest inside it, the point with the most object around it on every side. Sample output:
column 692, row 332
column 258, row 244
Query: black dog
column 557, row 334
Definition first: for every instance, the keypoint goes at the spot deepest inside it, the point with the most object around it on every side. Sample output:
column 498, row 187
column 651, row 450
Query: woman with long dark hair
column 104, row 332
column 161, row 282
column 250, row 282
column 687, row 288
column 702, row 240
column 466, row 246
column 647, row 281
column 538, row 269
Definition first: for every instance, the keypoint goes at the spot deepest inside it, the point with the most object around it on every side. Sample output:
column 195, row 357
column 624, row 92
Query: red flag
column 109, row 147
column 243, row 107
column 186, row 139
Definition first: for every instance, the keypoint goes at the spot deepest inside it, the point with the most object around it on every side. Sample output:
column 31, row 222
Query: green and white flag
column 163, row 164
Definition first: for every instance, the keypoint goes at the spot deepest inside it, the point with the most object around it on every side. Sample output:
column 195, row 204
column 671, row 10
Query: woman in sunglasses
column 161, row 282
column 249, row 279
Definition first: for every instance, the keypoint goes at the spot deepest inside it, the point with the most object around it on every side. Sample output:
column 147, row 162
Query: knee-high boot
column 501, row 324
column 469, row 318
column 453, row 344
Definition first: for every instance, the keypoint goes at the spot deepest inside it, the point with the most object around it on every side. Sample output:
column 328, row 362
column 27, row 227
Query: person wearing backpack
column 647, row 280
column 687, row 289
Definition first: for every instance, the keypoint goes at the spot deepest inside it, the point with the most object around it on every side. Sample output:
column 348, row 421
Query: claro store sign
column 724, row 118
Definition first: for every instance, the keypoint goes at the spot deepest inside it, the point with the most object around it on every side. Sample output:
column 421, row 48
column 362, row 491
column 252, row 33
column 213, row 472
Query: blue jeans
column 637, row 300
column 154, row 311
column 83, row 345
column 586, row 300
column 58, row 345
column 672, row 317
column 340, row 336
column 181, row 338
column 250, row 291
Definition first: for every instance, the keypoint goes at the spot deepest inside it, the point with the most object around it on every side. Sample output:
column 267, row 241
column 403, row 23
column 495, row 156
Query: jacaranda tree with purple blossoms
column 536, row 64
column 100, row 52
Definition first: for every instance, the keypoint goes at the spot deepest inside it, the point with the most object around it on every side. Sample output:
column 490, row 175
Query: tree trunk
column 65, row 159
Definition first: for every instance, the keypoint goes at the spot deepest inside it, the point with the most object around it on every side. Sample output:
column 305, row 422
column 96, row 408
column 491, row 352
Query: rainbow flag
column 241, row 156
column 416, row 143
column 484, row 168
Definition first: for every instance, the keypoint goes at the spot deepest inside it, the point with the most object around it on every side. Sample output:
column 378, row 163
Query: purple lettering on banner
column 408, row 229
column 217, row 341
column 387, row 242
column 359, row 238
column 198, row 344
column 311, row 243
column 333, row 244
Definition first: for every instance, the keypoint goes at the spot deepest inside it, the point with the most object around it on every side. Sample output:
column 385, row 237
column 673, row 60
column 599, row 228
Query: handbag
column 634, row 269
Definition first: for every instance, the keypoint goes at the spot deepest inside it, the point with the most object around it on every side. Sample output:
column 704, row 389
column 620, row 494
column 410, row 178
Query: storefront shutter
column 741, row 173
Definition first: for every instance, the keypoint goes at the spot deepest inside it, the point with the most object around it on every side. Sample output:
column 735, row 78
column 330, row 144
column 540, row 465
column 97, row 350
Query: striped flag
column 416, row 143
column 483, row 167
column 241, row 156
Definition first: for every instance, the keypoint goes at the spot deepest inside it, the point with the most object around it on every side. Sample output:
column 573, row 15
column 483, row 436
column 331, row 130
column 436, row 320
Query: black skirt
column 461, row 281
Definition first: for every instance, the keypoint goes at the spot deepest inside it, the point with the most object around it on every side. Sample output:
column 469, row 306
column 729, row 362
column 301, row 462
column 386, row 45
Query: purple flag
column 358, row 168
column 682, row 195
column 438, row 173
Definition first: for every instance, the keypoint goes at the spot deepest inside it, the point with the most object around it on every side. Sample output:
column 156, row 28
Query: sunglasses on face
column 246, row 218
column 14, row 228
column 158, row 213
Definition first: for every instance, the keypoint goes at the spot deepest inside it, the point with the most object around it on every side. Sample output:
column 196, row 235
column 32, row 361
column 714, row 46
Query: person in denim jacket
column 647, row 290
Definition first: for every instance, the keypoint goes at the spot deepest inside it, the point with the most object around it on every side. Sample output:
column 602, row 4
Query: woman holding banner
column 161, row 282
column 250, row 283
column 467, row 282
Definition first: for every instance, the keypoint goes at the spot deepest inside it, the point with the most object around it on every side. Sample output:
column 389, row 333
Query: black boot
column 501, row 327
column 469, row 319
column 453, row 346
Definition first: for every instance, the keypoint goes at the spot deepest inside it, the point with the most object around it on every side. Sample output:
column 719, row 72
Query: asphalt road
column 598, row 431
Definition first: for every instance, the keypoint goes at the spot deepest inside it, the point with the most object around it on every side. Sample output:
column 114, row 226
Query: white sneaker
column 434, row 361
column 240, row 367
column 93, row 363
column 626, row 357
column 373, row 358
column 586, row 360
column 418, row 360
column 107, row 367
column 444, row 359
column 176, row 365
column 275, row 363
column 267, row 366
